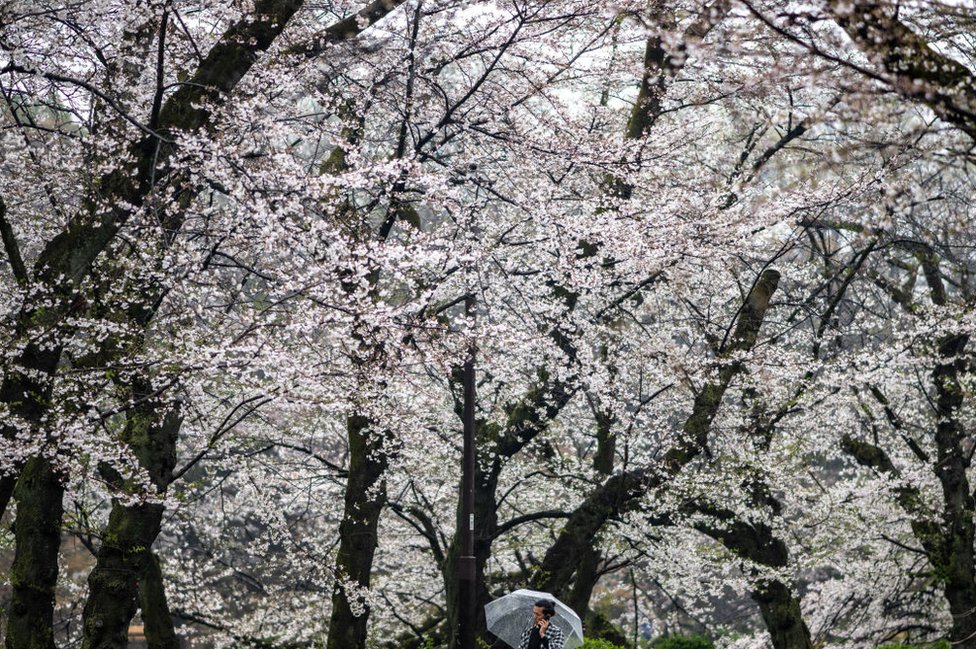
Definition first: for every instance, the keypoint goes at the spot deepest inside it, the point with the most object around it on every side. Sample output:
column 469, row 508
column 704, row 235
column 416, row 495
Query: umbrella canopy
column 508, row 617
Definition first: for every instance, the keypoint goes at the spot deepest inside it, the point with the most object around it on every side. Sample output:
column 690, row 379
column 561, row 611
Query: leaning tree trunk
column 364, row 502
column 621, row 492
column 778, row 602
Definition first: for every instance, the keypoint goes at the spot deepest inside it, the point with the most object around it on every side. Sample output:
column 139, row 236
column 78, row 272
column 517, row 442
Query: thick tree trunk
column 959, row 507
column 588, row 567
column 34, row 572
column 125, row 554
column 365, row 499
column 778, row 602
column 113, row 583
column 587, row 574
column 26, row 390
column 156, row 618
column 780, row 609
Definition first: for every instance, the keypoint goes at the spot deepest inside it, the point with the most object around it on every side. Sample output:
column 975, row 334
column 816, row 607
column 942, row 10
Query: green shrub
column 939, row 644
column 683, row 642
column 596, row 643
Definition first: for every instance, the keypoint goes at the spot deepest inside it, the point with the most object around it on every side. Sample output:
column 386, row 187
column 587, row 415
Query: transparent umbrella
column 507, row 617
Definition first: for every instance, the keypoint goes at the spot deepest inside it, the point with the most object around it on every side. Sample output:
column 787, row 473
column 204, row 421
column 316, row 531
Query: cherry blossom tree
column 716, row 259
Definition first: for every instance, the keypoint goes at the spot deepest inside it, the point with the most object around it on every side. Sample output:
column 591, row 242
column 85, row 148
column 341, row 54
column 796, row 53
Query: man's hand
column 543, row 627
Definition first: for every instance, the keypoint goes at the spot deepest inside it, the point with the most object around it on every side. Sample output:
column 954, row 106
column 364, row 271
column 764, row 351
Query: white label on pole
column 471, row 522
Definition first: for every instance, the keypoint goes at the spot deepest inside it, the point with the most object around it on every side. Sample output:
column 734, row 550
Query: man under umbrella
column 540, row 634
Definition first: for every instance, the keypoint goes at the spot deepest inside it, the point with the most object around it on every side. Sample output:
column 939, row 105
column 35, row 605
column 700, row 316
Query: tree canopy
column 716, row 258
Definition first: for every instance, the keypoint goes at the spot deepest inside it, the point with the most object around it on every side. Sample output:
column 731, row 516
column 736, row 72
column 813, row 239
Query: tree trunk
column 957, row 563
column 124, row 556
column 587, row 574
column 588, row 567
column 26, row 390
column 113, row 583
column 778, row 603
column 780, row 609
column 365, row 498
column 34, row 572
column 156, row 618
column 617, row 495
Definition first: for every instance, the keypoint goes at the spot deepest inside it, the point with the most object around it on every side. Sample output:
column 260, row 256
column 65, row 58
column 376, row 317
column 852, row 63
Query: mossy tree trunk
column 588, row 567
column 26, row 388
column 948, row 541
column 34, row 573
column 778, row 602
column 955, row 565
column 124, row 559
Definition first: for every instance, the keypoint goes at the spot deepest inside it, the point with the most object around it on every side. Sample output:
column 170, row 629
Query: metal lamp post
column 467, row 575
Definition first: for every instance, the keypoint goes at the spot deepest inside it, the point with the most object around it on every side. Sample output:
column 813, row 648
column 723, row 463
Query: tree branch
column 347, row 28
column 512, row 523
column 11, row 246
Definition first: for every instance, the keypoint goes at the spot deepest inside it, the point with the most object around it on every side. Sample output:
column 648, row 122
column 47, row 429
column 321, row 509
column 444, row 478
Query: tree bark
column 364, row 502
column 588, row 567
column 957, row 563
column 780, row 609
column 778, row 602
column 125, row 555
column 26, row 389
column 948, row 544
column 113, row 583
column 156, row 617
column 34, row 572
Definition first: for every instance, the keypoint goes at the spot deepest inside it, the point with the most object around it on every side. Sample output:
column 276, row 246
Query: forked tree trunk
column 125, row 559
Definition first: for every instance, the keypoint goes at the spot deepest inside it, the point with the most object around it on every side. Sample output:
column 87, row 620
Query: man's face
column 537, row 615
